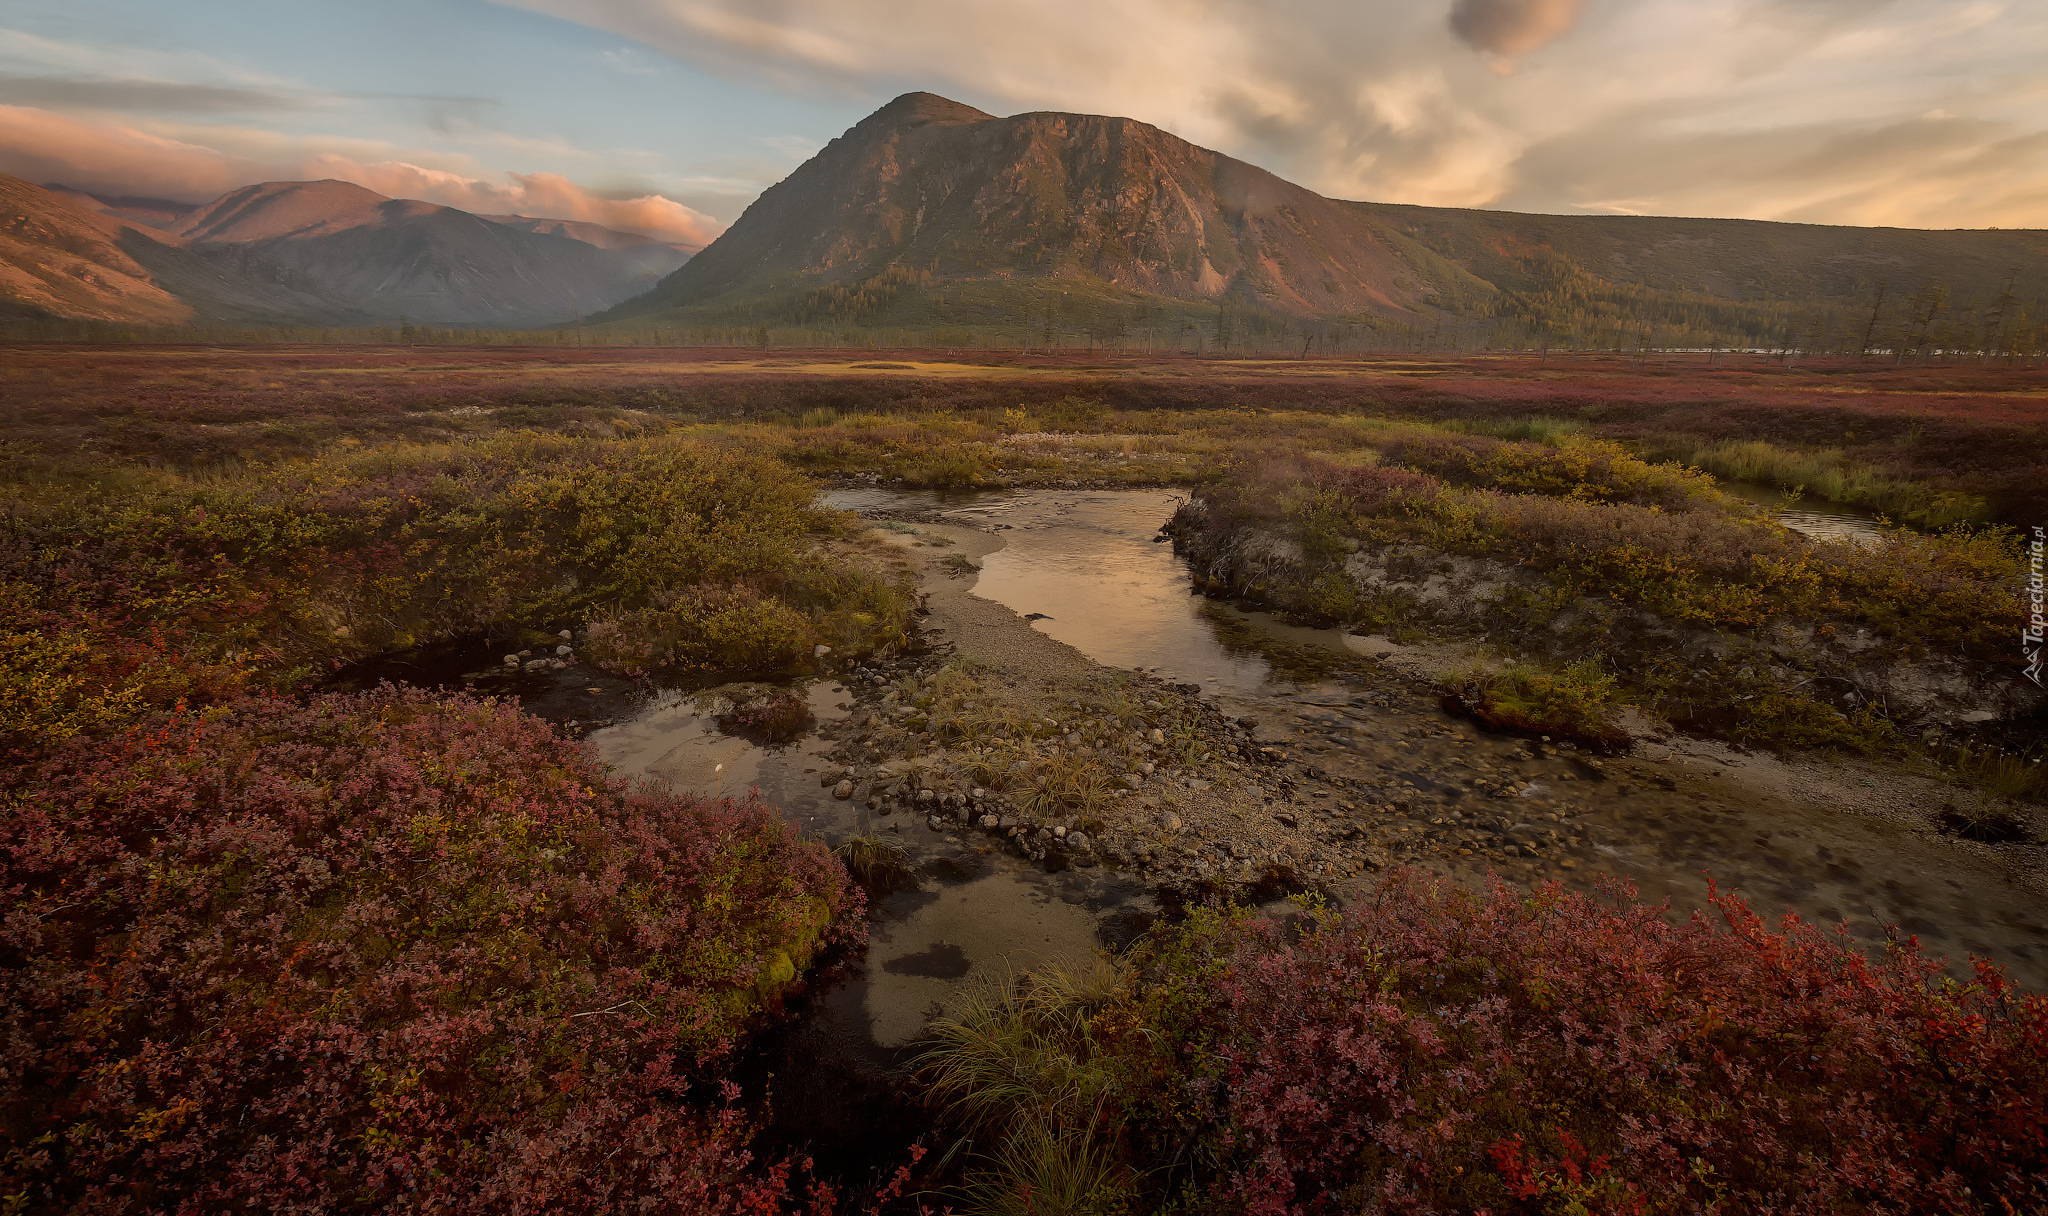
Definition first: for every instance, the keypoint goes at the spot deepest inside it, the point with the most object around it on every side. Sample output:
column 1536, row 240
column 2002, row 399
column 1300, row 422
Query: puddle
column 1810, row 516
column 977, row 911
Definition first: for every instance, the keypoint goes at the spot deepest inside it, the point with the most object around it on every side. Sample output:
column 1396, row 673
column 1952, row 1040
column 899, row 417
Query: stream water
column 1808, row 516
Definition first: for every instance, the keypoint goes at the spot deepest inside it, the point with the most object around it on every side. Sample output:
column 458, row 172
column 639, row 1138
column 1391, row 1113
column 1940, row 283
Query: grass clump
column 878, row 865
column 1577, row 703
column 1020, row 1071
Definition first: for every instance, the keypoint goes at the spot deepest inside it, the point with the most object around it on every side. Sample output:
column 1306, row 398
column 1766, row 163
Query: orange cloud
column 41, row 146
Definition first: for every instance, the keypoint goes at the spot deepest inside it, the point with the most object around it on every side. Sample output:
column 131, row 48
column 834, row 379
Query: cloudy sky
column 670, row 115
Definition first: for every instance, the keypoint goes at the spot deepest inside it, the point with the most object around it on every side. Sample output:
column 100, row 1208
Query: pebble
column 843, row 790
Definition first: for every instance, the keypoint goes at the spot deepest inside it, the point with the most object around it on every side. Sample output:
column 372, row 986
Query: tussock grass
column 876, row 864
column 1578, row 703
column 1829, row 474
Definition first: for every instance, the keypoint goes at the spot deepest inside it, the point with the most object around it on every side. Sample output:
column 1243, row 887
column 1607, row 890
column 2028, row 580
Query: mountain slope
column 63, row 257
column 932, row 188
column 1756, row 262
column 432, row 264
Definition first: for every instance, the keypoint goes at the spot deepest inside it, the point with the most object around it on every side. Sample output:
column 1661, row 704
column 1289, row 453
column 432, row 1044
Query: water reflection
column 1812, row 517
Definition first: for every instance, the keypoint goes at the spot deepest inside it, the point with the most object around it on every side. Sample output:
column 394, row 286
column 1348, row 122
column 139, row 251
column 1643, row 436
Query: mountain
column 63, row 257
column 429, row 263
column 931, row 188
column 931, row 214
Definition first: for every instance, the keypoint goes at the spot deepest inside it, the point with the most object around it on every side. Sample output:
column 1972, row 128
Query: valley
column 1030, row 673
column 1046, row 669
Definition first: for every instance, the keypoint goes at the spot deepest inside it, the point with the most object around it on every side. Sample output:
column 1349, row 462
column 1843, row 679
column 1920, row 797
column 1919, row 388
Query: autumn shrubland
column 269, row 946
column 1436, row 1049
column 389, row 951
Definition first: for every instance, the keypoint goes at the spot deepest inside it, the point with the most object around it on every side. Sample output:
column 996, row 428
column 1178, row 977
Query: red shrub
column 1437, row 1050
column 383, row 952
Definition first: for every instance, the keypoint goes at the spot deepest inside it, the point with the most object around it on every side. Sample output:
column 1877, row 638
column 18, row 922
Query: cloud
column 1513, row 27
column 40, row 146
column 98, row 93
column 109, row 158
column 533, row 194
column 1384, row 99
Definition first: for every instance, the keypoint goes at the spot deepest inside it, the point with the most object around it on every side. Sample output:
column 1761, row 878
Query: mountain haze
column 429, row 263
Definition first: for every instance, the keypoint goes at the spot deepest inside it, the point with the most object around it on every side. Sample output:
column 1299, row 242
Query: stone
column 1170, row 821
column 988, row 823
column 1076, row 840
column 935, row 823
column 561, row 650
column 843, row 790
column 820, row 651
column 1148, row 768
column 927, row 795
column 565, row 635
column 511, row 660
column 1157, row 736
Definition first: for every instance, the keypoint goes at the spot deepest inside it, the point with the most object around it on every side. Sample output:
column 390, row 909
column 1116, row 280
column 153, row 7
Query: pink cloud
column 41, row 146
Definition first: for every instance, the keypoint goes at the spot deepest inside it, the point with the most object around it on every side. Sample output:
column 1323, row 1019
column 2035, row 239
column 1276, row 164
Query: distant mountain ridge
column 932, row 214
column 323, row 253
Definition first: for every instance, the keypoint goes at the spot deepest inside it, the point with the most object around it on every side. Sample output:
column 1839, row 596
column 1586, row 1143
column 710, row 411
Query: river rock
column 935, row 823
column 561, row 650
column 1157, row 735
column 843, row 790
column 927, row 795
column 1077, row 841
column 511, row 660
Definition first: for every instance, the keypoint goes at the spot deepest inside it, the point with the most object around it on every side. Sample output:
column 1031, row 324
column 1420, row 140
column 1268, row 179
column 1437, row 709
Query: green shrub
column 1577, row 703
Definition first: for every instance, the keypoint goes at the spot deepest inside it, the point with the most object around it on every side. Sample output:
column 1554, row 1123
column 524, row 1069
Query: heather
column 1430, row 1048
column 384, row 951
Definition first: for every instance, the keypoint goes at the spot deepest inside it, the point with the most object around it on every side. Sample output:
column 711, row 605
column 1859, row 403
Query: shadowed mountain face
column 432, row 264
column 943, row 190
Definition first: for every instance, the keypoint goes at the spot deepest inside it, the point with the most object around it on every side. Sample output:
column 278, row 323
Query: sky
column 669, row 116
